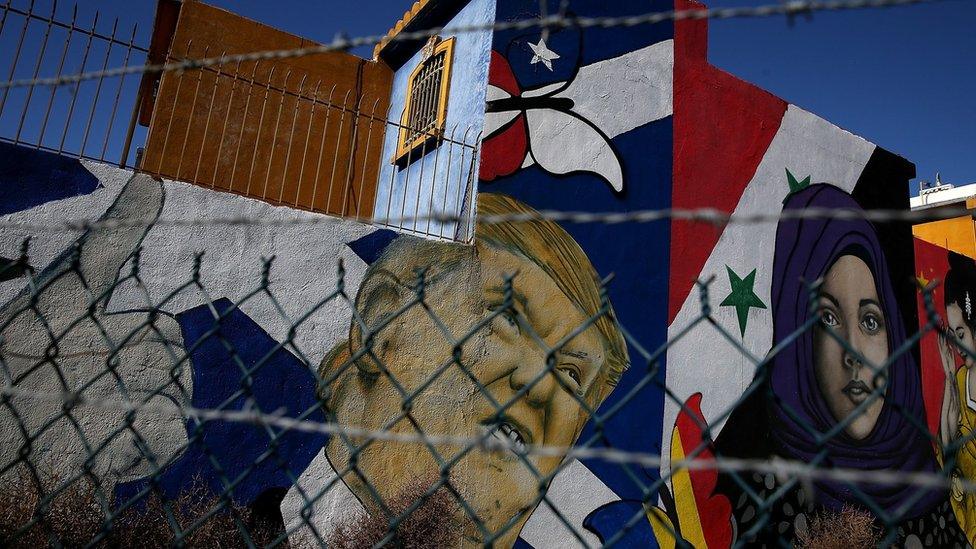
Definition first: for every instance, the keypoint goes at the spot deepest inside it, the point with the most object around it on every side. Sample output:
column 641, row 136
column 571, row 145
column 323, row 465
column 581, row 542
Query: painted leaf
column 663, row 529
column 563, row 143
column 500, row 74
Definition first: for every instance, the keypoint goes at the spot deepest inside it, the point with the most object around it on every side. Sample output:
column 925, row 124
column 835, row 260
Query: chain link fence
column 458, row 393
column 432, row 392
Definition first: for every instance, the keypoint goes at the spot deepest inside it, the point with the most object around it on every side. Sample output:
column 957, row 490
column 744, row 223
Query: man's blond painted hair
column 540, row 241
column 549, row 246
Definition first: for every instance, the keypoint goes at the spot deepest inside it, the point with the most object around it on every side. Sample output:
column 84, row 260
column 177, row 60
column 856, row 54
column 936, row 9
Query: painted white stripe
column 574, row 492
column 622, row 93
column 335, row 507
column 303, row 272
column 703, row 361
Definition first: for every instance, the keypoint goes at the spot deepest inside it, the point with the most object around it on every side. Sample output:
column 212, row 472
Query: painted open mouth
column 857, row 390
column 508, row 434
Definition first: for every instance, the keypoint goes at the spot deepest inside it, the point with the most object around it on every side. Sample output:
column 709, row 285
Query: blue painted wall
column 441, row 177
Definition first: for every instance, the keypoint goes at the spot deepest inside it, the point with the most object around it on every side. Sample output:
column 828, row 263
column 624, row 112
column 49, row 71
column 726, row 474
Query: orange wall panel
column 304, row 131
column 957, row 234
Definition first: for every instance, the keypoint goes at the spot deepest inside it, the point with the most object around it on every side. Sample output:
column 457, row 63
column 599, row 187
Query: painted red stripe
column 722, row 128
column 931, row 262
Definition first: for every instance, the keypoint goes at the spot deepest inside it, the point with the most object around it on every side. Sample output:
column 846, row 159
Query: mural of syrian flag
column 802, row 148
column 567, row 126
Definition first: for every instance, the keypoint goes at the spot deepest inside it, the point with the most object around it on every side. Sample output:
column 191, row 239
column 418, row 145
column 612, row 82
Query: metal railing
column 94, row 120
column 261, row 129
column 268, row 131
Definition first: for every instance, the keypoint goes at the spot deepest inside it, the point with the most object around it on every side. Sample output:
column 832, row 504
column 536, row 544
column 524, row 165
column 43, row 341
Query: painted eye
column 871, row 323
column 572, row 373
column 509, row 316
column 829, row 319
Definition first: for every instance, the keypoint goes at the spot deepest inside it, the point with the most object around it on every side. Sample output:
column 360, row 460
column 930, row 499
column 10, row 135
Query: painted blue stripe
column 30, row 177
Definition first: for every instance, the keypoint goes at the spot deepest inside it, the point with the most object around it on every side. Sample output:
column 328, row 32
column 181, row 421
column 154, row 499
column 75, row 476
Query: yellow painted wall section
column 957, row 234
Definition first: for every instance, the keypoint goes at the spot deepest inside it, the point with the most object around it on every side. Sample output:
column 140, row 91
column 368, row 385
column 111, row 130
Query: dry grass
column 75, row 517
column 432, row 524
column 851, row 528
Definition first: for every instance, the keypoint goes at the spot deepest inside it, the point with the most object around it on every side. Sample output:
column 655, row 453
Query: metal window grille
column 425, row 99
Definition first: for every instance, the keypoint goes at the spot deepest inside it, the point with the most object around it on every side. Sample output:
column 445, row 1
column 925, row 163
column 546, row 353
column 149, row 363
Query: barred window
column 424, row 114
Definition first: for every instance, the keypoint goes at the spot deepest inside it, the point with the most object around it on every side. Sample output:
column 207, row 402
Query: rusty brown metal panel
column 164, row 27
column 261, row 128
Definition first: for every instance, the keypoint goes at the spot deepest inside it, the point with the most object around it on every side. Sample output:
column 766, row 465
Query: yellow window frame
column 434, row 47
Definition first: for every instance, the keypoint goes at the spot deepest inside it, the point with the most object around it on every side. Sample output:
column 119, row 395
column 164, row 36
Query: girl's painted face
column 959, row 328
column 850, row 312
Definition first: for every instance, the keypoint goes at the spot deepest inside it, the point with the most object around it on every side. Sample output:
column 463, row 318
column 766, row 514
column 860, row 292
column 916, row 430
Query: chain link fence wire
column 446, row 413
column 458, row 389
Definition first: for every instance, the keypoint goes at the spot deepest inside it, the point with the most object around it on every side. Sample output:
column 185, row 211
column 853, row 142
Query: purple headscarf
column 805, row 251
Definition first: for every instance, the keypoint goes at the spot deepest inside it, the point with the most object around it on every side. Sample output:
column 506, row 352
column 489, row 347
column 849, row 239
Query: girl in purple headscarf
column 840, row 391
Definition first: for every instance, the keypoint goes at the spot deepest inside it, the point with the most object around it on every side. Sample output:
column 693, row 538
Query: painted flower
column 539, row 126
column 701, row 517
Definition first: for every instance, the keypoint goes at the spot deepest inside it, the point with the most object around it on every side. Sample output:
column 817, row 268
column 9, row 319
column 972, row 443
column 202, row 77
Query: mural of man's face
column 849, row 307
column 507, row 355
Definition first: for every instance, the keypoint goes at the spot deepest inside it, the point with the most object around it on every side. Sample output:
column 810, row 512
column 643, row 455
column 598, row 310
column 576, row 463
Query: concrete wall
column 261, row 327
column 437, row 179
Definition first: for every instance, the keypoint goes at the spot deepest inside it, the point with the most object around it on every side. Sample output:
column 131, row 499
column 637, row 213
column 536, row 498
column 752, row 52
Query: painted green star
column 742, row 297
column 795, row 186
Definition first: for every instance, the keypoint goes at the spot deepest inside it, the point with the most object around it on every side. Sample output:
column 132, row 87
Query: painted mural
column 580, row 117
column 606, row 120
column 97, row 297
column 950, row 273
column 82, row 274
column 527, row 288
column 507, row 333
column 827, row 379
column 817, row 395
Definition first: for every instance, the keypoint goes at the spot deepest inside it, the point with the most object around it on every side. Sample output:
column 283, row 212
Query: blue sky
column 903, row 78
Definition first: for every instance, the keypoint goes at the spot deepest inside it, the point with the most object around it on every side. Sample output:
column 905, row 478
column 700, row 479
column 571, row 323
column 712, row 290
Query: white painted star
column 541, row 52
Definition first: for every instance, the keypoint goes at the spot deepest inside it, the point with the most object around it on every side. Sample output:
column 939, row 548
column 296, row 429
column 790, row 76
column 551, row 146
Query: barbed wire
column 56, row 345
column 779, row 467
column 704, row 215
column 788, row 9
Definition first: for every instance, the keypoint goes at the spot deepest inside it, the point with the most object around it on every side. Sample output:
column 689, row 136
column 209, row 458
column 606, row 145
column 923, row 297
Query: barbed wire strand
column 778, row 467
column 705, row 215
column 341, row 43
